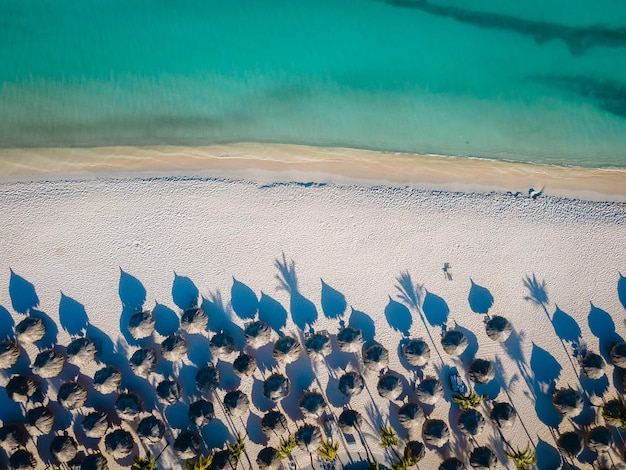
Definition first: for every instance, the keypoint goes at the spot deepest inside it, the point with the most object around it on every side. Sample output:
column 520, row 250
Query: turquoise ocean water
column 533, row 81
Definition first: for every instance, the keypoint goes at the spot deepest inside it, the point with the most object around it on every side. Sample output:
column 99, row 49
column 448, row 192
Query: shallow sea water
column 529, row 81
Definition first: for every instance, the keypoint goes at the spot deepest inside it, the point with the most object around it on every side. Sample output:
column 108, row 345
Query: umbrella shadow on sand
column 334, row 303
column 303, row 311
column 479, row 298
column 398, row 316
column 184, row 292
column 272, row 312
column 166, row 322
column 621, row 290
column 363, row 322
column 6, row 324
column 243, row 300
column 133, row 296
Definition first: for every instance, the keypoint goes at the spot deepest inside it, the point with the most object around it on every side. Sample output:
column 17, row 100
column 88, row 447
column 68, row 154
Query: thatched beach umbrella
column 207, row 379
column 63, row 448
column 128, row 405
column 81, row 352
column 151, row 429
column 141, row 324
column 416, row 352
column 351, row 384
column 435, row 432
column 257, row 334
column 201, row 412
column 9, row 354
column 415, row 449
column 350, row 339
column 194, row 320
column 236, row 403
column 96, row 424
column 107, row 380
column 498, row 328
column 570, row 444
column 244, row 365
column 410, row 415
column 168, row 392
column 48, row 364
column 376, row 357
column 318, row 346
column 21, row 388
column 309, row 437
column 274, row 423
column 287, row 349
column 187, row 445
column 268, row 458
column 568, row 402
column 276, row 387
column 143, row 361
column 592, row 365
column 503, row 414
column 349, row 420
column 119, row 443
column 95, row 461
column 22, row 459
column 72, row 395
column 12, row 437
column 454, row 342
column 429, row 390
column 222, row 344
column 174, row 347
column 312, row 404
column 481, row 371
column 389, row 386
column 30, row 329
column 452, row 464
column 471, row 422
column 599, row 439
column 39, row 420
column 483, row 458
column 618, row 355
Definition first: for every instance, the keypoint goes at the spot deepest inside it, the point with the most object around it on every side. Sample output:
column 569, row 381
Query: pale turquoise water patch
column 514, row 80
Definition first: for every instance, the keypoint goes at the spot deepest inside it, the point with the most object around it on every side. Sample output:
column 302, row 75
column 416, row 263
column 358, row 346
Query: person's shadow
column 303, row 311
column 133, row 296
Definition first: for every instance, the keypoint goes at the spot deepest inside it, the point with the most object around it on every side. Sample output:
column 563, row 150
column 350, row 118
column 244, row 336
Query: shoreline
column 282, row 162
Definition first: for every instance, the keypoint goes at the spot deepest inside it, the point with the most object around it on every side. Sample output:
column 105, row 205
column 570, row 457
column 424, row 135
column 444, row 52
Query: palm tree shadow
column 272, row 312
column 537, row 292
column 303, row 311
column 133, row 295
column 6, row 324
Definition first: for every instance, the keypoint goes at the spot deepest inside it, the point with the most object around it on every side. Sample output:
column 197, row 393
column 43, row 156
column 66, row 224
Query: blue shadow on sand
column 303, row 311
column 72, row 316
column 184, row 292
column 566, row 327
column 546, row 370
column 479, row 298
column 398, row 316
column 621, row 290
column 7, row 324
column 166, row 322
column 272, row 312
column 333, row 302
column 362, row 321
column 243, row 300
column 548, row 458
column 132, row 295
column 22, row 293
column 603, row 327
column 435, row 309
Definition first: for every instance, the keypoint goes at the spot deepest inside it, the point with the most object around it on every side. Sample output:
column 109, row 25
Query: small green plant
column 203, row 463
column 387, row 437
column 237, row 448
column 469, row 401
column 328, row 450
column 286, row 446
column 523, row 459
column 614, row 413
column 144, row 463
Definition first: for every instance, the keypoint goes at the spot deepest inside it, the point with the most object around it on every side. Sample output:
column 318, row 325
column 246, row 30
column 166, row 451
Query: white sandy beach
column 95, row 228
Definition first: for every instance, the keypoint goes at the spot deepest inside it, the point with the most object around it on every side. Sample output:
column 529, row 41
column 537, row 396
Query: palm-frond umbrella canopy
column 312, row 404
column 194, row 320
column 452, row 464
column 454, row 342
column 415, row 449
column 483, row 458
column 592, row 365
column 21, row 388
column 349, row 420
column 471, row 422
column 174, row 347
column 268, row 458
column 119, row 443
column 187, row 445
column 618, row 355
column 236, row 403
column 481, row 371
column 568, row 402
column 39, row 420
column 95, row 461
column 257, row 334
column 63, row 448
column 96, row 424
column 274, row 423
column 350, row 339
column 128, row 405
column 141, row 324
column 599, row 439
column 244, row 365
column 351, row 384
column 498, row 328
column 168, row 392
column 503, row 414
column 410, row 415
column 287, row 349
column 107, row 380
column 30, row 329
column 22, row 460
column 570, row 444
column 376, row 357
column 48, row 364
column 309, row 437
column 318, row 346
column 201, row 412
column 416, row 352
column 9, row 354
column 151, row 429
column 207, row 379
column 81, row 352
column 435, row 432
column 143, row 361
column 276, row 387
column 222, row 344
column 12, row 436
column 389, row 386
column 429, row 390
column 72, row 395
